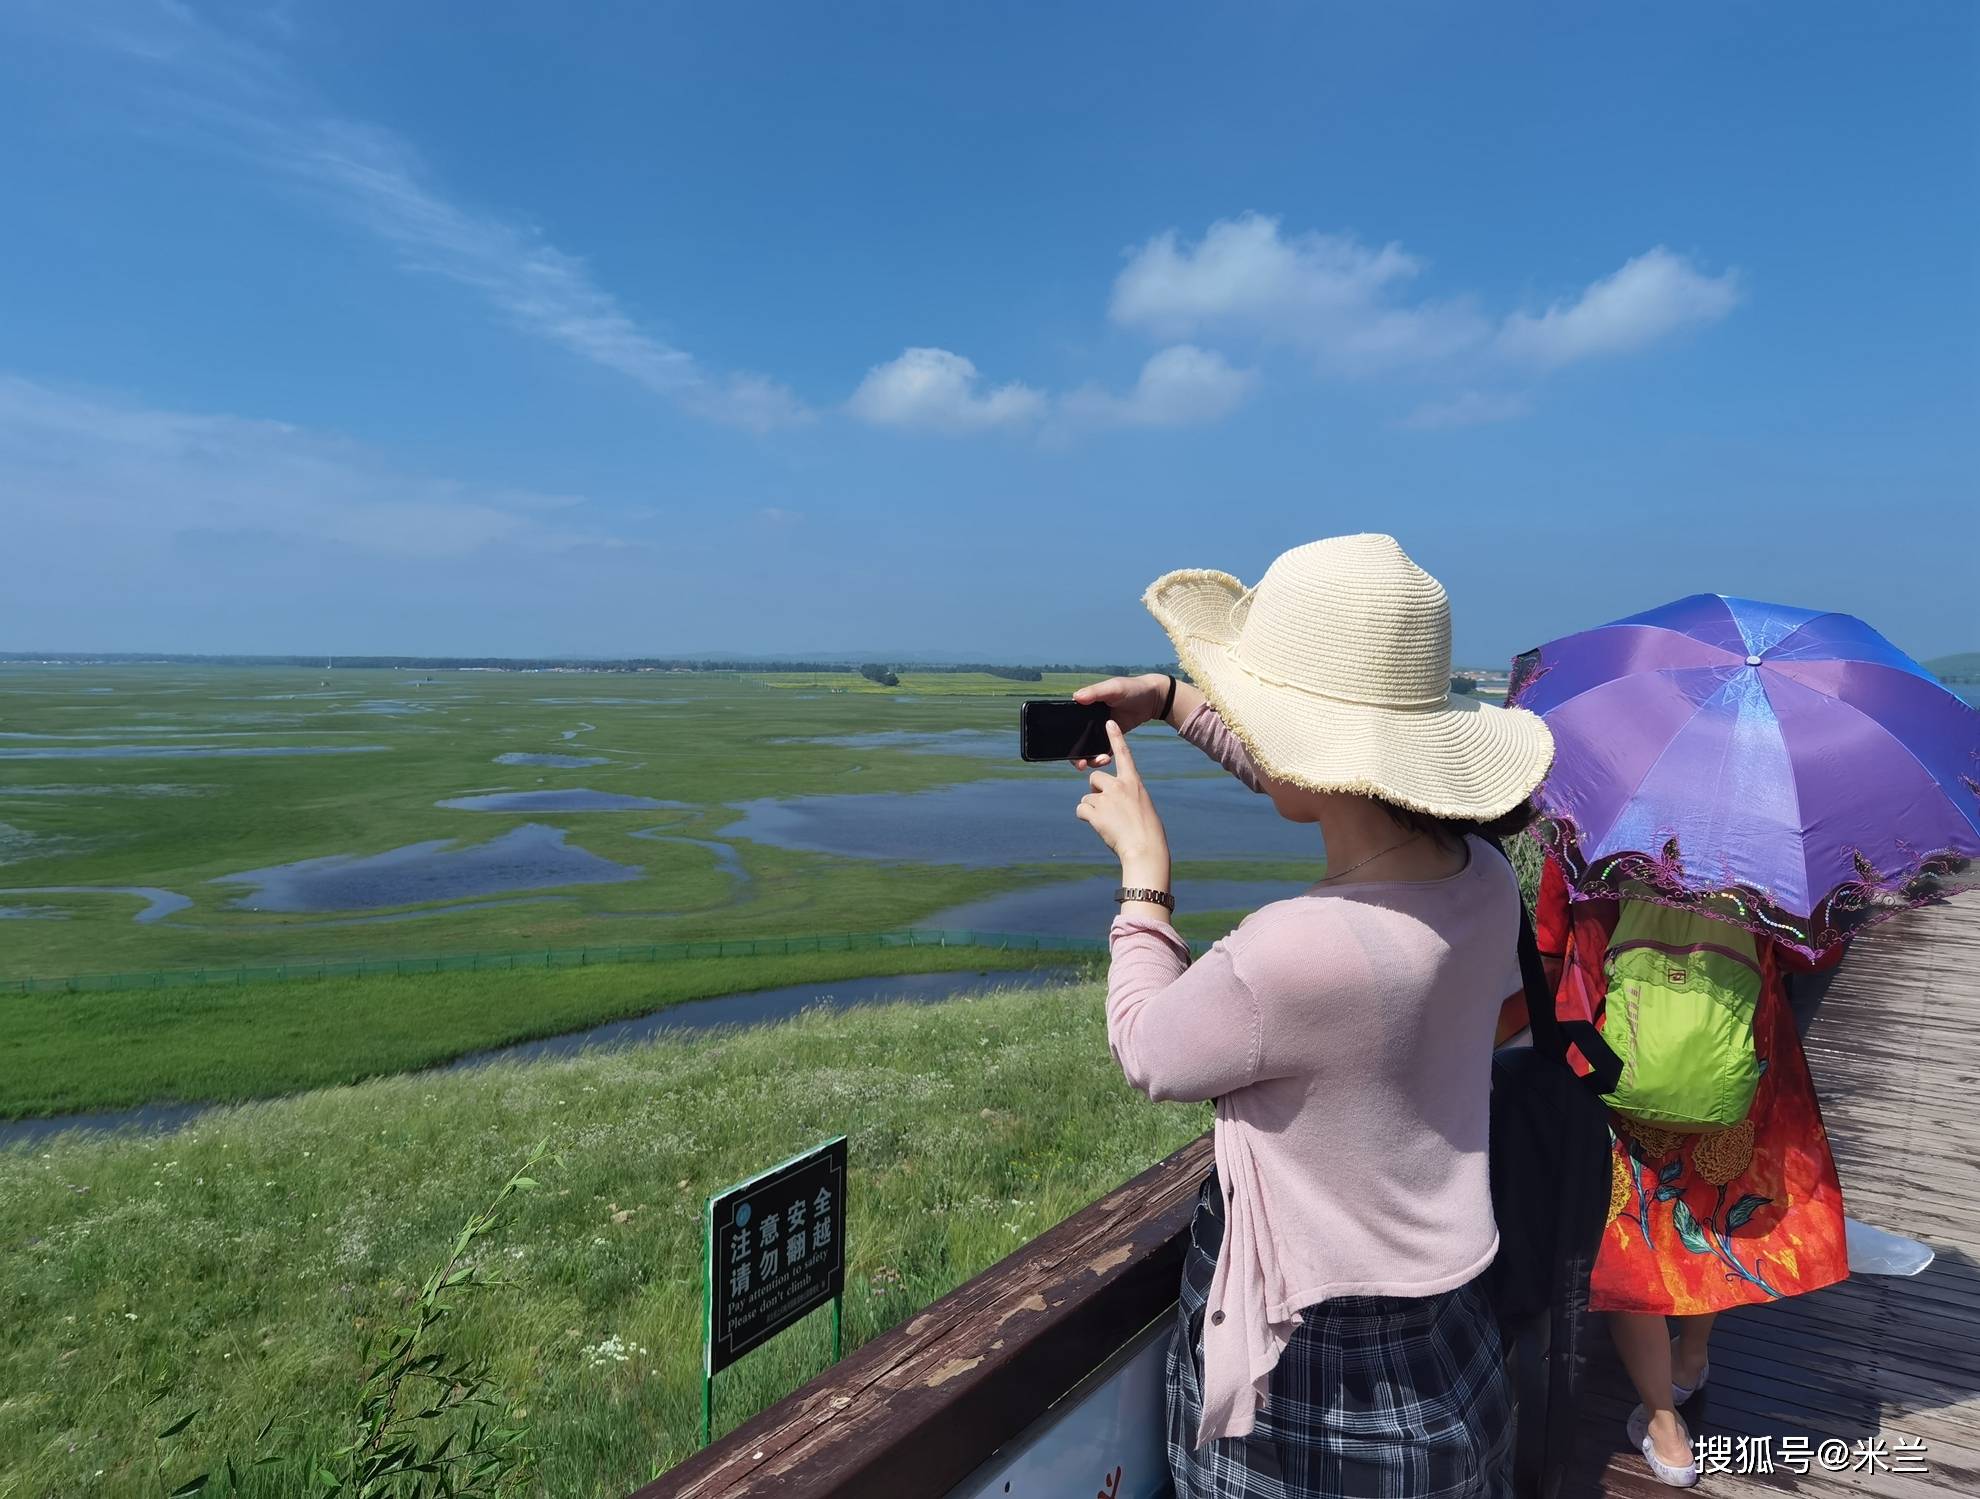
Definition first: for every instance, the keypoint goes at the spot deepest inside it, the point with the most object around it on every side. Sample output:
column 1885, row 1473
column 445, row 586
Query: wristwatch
column 1160, row 898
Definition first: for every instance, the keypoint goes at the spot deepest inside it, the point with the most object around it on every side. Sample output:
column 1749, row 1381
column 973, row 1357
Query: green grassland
column 64, row 1053
column 707, row 740
column 243, row 1261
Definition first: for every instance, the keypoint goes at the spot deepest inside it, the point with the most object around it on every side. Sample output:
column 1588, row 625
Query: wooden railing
column 920, row 1408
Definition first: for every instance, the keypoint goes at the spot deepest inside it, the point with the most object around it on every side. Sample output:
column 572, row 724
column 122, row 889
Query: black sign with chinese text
column 776, row 1250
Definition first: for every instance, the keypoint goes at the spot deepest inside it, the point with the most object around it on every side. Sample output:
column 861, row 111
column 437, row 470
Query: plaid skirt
column 1375, row 1397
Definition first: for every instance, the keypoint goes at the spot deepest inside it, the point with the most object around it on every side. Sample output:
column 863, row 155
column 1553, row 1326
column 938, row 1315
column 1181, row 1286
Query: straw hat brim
column 1461, row 759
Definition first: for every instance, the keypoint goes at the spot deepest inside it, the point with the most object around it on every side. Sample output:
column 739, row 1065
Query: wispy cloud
column 95, row 466
column 243, row 97
column 939, row 391
column 1650, row 298
column 1182, row 386
column 1471, row 408
column 936, row 390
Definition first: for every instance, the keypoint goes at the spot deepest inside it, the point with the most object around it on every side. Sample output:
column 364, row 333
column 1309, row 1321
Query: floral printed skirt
column 1702, row 1222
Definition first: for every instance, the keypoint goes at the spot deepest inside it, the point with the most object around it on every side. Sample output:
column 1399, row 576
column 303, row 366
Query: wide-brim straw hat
column 1335, row 673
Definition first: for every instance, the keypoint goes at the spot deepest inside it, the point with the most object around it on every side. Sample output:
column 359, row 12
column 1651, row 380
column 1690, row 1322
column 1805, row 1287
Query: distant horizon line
column 849, row 661
column 714, row 661
column 1962, row 662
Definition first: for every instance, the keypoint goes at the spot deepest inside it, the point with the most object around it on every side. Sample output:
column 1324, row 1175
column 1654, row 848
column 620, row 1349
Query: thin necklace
column 1372, row 858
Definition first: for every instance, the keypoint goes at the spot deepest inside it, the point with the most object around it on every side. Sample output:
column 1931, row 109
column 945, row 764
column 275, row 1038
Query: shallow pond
column 1082, row 908
column 1156, row 756
column 158, row 904
column 531, row 857
column 755, row 1007
column 393, row 707
column 560, row 762
column 988, row 823
column 610, row 702
column 574, row 799
column 184, row 751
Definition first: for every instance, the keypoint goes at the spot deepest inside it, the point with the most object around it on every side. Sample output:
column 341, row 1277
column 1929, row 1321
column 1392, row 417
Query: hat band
column 1415, row 705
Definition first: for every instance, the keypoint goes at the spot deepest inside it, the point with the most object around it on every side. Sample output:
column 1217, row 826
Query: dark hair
column 1452, row 830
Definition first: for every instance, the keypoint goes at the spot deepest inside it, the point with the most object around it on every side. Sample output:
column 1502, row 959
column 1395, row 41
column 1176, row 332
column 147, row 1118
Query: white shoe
column 1681, row 1393
column 1639, row 1434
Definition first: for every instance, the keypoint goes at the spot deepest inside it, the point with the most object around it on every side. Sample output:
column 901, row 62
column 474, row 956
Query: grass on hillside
column 245, row 1260
column 71, row 1053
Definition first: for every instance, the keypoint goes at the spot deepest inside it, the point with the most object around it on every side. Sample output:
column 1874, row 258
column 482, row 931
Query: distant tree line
column 555, row 663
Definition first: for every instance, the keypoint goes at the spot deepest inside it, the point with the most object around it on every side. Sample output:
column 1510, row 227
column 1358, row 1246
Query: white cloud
column 1650, row 297
column 91, row 466
column 1326, row 294
column 1469, row 408
column 242, row 98
column 1180, row 386
column 1347, row 304
column 940, row 391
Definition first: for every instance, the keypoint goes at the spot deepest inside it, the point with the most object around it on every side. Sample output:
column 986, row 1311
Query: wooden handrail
column 918, row 1409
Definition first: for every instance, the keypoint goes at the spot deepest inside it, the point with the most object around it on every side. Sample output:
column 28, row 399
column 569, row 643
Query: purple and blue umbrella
column 1790, row 771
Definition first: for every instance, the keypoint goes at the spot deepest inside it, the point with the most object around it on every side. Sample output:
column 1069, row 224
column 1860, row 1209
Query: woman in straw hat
column 1333, row 1338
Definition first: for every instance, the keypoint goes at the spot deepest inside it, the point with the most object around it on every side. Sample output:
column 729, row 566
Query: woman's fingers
column 1123, row 759
column 1101, row 692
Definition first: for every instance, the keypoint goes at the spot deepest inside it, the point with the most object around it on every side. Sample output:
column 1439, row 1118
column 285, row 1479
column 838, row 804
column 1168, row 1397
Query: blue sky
column 547, row 328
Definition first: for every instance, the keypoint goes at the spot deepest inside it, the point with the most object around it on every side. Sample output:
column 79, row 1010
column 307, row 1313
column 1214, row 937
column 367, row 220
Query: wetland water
column 756, row 1007
column 983, row 824
column 559, row 762
column 531, row 857
column 1158, row 757
column 575, row 799
column 158, row 904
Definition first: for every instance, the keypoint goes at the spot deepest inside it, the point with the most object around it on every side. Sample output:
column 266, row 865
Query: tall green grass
column 245, row 1259
column 72, row 1053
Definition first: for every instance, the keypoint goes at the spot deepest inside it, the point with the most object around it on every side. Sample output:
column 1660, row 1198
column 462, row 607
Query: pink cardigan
column 1346, row 1036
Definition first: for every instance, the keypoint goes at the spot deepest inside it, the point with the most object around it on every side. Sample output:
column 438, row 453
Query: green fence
column 553, row 957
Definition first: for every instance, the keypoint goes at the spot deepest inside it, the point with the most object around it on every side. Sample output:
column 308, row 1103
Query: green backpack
column 1682, row 994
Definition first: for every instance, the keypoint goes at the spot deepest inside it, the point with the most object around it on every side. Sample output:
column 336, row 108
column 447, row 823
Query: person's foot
column 1687, row 1377
column 1665, row 1445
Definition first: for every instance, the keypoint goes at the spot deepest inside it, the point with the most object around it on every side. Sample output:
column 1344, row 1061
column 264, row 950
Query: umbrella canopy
column 1788, row 770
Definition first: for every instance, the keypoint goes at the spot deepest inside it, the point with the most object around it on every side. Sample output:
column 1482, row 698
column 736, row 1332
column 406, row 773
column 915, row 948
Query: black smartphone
column 1052, row 730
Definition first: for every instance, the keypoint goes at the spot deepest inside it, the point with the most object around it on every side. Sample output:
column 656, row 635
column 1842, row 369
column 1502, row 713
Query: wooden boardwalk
column 1895, row 1052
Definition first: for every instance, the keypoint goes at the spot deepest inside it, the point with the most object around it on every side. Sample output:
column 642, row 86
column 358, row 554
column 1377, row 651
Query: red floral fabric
column 1702, row 1222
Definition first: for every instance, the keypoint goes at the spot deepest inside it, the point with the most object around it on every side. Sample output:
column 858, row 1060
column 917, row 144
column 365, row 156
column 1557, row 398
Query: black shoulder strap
column 1551, row 1035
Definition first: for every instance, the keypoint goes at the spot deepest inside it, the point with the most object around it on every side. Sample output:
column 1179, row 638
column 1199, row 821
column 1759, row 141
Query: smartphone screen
column 1052, row 730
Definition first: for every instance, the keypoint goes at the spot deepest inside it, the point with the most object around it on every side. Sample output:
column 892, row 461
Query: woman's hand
column 1136, row 701
column 1121, row 811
